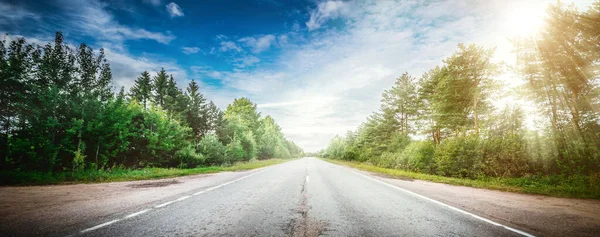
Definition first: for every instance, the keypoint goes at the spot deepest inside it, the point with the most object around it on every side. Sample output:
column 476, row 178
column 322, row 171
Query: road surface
column 305, row 197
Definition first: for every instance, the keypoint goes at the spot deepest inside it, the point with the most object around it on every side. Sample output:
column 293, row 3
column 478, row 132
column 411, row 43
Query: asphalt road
column 305, row 197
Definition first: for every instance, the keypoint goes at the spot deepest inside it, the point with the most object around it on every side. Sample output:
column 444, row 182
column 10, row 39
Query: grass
column 555, row 186
column 121, row 174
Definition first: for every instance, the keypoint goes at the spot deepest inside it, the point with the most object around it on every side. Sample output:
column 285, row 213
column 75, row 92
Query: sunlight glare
column 524, row 18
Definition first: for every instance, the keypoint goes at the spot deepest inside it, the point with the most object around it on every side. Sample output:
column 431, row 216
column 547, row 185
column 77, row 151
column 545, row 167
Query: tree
column 197, row 115
column 160, row 84
column 468, row 84
column 142, row 89
column 245, row 110
column 271, row 143
column 560, row 66
column 401, row 102
column 175, row 101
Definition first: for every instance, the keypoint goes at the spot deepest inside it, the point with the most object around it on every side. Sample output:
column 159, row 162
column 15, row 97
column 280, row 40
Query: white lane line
column 183, row 198
column 165, row 204
column 228, row 183
column 168, row 203
column 446, row 205
column 307, row 178
column 137, row 213
column 99, row 226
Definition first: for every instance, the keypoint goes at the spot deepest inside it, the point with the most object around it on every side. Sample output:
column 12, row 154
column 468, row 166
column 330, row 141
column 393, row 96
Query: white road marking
column 183, row 198
column 228, row 183
column 99, row 226
column 167, row 203
column 137, row 213
column 307, row 178
column 446, row 205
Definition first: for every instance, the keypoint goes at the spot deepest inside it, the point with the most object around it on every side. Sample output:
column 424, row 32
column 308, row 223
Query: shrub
column 212, row 149
column 386, row 160
column 418, row 156
column 459, row 157
column 506, row 157
column 188, row 158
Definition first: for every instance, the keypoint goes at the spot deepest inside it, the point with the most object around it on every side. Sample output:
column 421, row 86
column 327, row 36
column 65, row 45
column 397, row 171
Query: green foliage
column 554, row 185
column 462, row 135
column 418, row 156
column 213, row 150
column 188, row 157
column 58, row 113
column 119, row 173
column 387, row 160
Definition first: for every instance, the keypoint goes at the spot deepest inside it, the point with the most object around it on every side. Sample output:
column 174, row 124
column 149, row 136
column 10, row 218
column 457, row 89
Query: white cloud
column 229, row 46
column 153, row 2
column 126, row 68
column 174, row 10
column 332, row 80
column 190, row 50
column 325, row 11
column 246, row 61
column 92, row 19
column 12, row 13
column 259, row 44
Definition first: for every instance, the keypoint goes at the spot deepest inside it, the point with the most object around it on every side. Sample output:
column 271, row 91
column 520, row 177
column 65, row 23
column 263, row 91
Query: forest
column 59, row 113
column 444, row 122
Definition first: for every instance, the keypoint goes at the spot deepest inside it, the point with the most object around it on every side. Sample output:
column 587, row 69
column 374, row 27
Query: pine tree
column 196, row 114
column 160, row 85
column 142, row 89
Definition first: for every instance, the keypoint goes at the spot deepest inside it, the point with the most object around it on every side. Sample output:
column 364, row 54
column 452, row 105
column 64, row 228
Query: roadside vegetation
column 549, row 185
column 60, row 121
column 122, row 174
column 444, row 127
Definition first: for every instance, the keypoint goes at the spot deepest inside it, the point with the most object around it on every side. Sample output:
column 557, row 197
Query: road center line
column 307, row 178
column 445, row 205
column 167, row 203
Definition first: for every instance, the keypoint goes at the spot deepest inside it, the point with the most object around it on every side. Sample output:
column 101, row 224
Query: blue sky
column 317, row 66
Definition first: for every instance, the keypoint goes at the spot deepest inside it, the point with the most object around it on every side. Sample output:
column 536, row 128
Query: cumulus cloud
column 190, row 50
column 325, row 11
column 258, row 44
column 174, row 10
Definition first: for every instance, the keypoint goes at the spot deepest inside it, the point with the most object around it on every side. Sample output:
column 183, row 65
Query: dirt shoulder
column 535, row 214
column 52, row 210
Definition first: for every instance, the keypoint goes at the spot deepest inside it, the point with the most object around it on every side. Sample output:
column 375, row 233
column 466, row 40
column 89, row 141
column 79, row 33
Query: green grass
column 120, row 174
column 555, row 186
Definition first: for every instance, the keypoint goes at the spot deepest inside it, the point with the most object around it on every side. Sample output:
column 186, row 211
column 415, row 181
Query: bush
column 418, row 156
column 459, row 157
column 235, row 151
column 506, row 157
column 188, row 158
column 214, row 152
column 386, row 160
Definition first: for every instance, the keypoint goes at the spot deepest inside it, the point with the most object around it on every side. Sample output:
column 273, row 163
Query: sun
column 524, row 18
